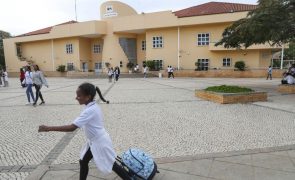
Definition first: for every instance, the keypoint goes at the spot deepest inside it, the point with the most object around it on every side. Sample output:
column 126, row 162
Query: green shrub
column 61, row 68
column 130, row 65
column 150, row 65
column 228, row 89
column 240, row 65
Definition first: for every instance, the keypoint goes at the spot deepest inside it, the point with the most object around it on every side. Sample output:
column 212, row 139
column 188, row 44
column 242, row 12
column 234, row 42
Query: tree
column 3, row 35
column 290, row 52
column 273, row 21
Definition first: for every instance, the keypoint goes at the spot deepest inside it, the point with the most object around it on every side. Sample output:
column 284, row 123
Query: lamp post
column 282, row 56
column 76, row 10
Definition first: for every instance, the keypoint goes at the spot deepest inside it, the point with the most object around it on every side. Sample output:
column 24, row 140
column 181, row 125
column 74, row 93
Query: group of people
column 114, row 74
column 29, row 79
column 289, row 76
column 3, row 78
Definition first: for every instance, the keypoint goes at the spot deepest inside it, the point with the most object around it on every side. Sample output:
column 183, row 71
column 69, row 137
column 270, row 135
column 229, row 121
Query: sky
column 22, row 16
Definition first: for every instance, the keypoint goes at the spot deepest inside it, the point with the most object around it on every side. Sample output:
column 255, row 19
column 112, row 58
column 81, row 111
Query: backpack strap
column 142, row 165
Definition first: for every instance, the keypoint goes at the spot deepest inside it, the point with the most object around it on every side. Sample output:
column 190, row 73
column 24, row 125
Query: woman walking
column 117, row 73
column 99, row 145
column 29, row 83
column 38, row 81
column 110, row 74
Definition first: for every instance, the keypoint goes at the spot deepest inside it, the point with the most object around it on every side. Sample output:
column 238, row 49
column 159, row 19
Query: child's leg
column 84, row 168
column 120, row 171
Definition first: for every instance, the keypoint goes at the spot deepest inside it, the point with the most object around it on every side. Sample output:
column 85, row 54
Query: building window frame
column 69, row 48
column 143, row 45
column 18, row 48
column 98, row 65
column 203, row 64
column 203, row 39
column 226, row 62
column 158, row 42
column 159, row 64
column 70, row 66
column 96, row 48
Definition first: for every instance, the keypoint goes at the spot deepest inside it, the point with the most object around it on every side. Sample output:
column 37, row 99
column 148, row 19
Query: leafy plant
column 61, row 68
column 198, row 66
column 240, row 65
column 150, row 65
column 130, row 65
column 228, row 89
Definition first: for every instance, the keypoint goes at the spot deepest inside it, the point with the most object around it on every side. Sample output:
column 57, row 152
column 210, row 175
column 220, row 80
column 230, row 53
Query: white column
column 178, row 47
column 282, row 56
column 52, row 55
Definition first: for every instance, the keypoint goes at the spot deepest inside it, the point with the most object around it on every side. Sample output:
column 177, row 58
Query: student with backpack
column 99, row 145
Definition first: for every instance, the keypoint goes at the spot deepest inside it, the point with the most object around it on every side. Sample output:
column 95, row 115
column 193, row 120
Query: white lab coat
column 98, row 140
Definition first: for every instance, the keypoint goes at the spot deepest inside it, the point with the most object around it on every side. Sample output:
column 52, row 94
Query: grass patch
column 228, row 89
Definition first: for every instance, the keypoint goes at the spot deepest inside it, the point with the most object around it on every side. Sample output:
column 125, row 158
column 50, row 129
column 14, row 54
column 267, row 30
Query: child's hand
column 43, row 128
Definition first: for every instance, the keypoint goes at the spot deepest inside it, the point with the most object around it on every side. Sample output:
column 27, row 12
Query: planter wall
column 226, row 73
column 231, row 98
column 287, row 88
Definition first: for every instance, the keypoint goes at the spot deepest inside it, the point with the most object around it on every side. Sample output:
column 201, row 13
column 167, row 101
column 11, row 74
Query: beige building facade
column 179, row 39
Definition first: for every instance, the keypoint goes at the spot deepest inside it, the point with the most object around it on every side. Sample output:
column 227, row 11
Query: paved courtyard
column 161, row 116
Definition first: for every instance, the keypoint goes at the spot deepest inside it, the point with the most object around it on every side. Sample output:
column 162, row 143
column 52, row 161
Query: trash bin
column 160, row 75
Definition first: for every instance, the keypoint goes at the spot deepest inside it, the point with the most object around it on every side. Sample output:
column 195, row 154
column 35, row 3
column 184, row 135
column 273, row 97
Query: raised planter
column 287, row 88
column 231, row 98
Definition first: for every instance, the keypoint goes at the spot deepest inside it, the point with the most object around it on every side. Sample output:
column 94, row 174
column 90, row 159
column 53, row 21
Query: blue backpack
column 139, row 164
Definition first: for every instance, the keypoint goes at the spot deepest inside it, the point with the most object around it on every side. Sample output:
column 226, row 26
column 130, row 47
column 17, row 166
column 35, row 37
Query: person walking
column 171, row 72
column 38, row 81
column 5, row 78
column 110, row 74
column 145, row 70
column 22, row 76
column 29, row 83
column 99, row 145
column 117, row 73
column 269, row 73
column 1, row 74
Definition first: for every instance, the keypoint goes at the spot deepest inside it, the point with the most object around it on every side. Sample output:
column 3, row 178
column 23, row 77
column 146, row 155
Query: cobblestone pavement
column 161, row 116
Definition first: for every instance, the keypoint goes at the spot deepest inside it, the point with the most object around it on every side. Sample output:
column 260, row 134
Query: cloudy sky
column 21, row 16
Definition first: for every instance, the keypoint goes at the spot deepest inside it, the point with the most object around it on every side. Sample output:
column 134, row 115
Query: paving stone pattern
column 161, row 116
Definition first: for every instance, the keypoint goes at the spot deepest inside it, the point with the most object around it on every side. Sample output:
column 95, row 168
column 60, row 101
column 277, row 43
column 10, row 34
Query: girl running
column 99, row 145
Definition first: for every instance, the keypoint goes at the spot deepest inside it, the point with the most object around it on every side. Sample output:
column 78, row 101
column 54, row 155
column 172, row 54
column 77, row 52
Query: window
column 98, row 65
column 69, row 48
column 158, row 42
column 226, row 62
column 18, row 50
column 203, row 39
column 158, row 64
column 70, row 66
column 96, row 49
column 203, row 64
column 143, row 45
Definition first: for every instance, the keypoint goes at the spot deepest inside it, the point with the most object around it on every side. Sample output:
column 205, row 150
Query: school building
column 123, row 35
